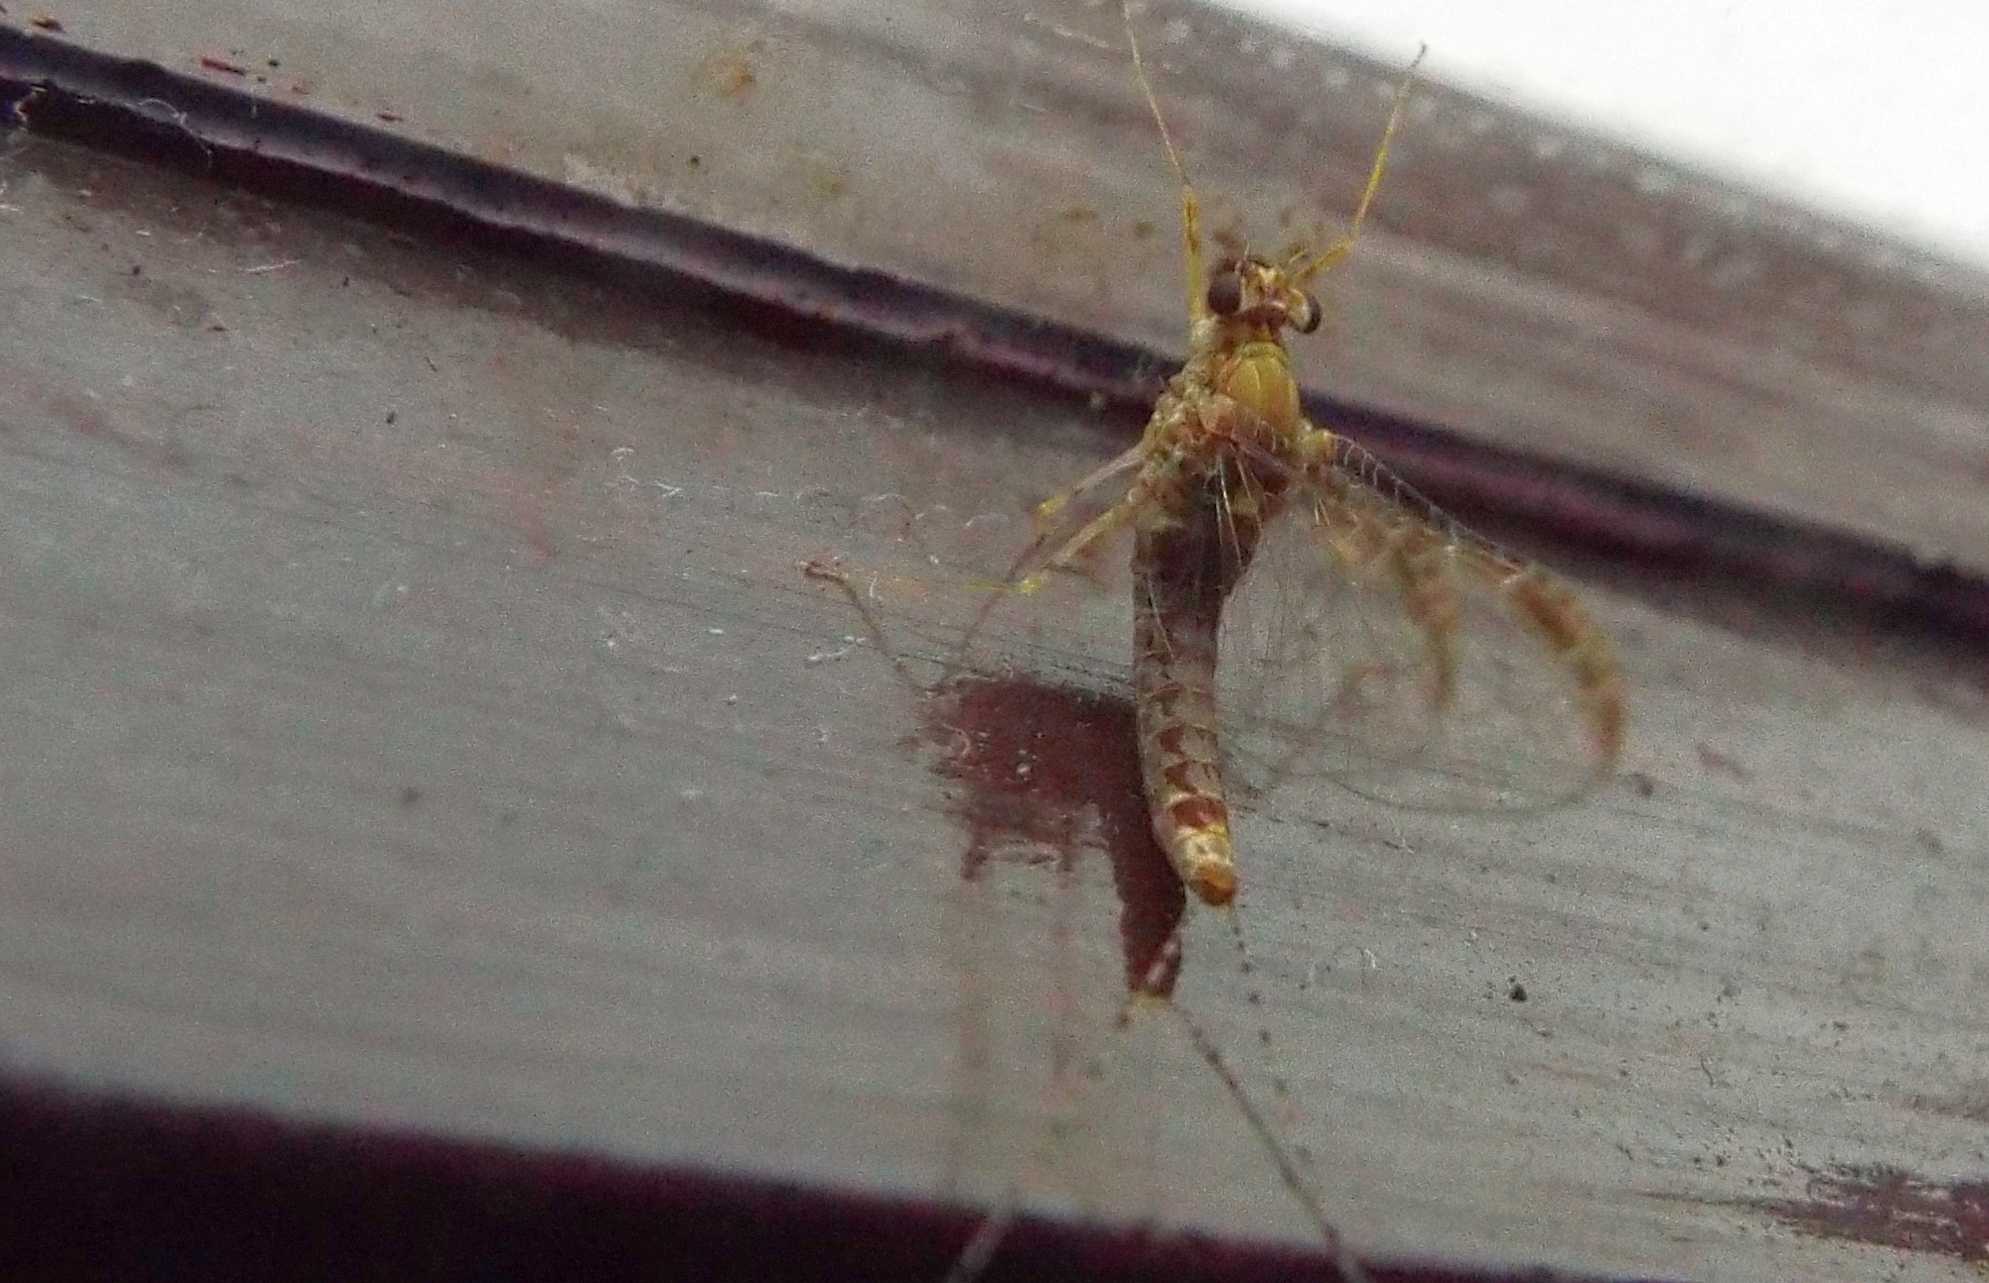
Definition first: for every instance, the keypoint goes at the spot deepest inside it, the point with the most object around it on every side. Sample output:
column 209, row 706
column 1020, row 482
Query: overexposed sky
column 1877, row 112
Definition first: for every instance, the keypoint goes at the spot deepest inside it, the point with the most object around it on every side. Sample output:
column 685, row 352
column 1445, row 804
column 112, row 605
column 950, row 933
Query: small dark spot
column 1517, row 993
column 391, row 117
column 1640, row 784
column 1714, row 760
column 1930, row 841
column 410, row 796
column 695, row 160
column 275, row 63
column 392, row 415
column 137, row 269
column 45, row 22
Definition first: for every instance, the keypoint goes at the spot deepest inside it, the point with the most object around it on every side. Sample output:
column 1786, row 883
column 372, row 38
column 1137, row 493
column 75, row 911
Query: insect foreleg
column 1053, row 506
column 1137, row 497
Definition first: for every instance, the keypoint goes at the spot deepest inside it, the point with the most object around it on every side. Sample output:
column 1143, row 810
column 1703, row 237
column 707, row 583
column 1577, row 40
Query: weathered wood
column 413, row 712
column 1528, row 283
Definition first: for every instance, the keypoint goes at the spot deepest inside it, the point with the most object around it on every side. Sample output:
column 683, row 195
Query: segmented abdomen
column 1182, row 573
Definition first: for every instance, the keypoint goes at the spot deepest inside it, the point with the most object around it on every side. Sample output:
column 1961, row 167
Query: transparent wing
column 1378, row 644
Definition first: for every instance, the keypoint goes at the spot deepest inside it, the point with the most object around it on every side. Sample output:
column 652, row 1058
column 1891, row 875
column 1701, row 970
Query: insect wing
column 1375, row 643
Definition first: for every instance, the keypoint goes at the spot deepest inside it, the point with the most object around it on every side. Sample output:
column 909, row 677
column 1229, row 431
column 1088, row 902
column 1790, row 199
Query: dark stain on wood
column 1043, row 774
column 1889, row 1207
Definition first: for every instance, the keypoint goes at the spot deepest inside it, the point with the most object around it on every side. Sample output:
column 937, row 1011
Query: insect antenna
column 1340, row 248
column 1153, row 103
column 1191, row 208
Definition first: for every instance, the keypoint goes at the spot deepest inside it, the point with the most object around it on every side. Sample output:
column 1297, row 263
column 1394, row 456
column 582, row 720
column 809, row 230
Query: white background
column 1873, row 112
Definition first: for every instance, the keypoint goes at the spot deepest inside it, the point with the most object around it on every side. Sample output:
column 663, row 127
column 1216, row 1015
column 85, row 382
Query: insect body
column 1227, row 454
column 1388, row 624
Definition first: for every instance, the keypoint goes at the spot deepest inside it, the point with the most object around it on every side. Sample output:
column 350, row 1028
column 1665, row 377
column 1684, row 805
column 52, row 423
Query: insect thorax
column 1257, row 374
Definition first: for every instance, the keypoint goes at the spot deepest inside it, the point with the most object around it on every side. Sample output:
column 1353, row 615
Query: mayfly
column 1227, row 467
column 1428, row 652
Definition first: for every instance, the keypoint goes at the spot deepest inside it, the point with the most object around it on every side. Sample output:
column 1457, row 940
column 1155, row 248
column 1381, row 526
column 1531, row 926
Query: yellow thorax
column 1258, row 374
column 1253, row 302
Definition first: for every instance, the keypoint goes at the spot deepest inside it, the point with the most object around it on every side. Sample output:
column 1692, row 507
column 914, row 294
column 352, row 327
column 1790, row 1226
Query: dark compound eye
column 1306, row 319
column 1225, row 293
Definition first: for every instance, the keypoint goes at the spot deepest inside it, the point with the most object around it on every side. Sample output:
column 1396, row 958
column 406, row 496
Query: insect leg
column 1048, row 510
column 1097, row 528
column 1029, row 570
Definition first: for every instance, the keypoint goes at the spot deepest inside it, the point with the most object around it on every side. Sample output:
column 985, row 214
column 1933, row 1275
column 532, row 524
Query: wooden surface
column 1528, row 283
column 414, row 713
